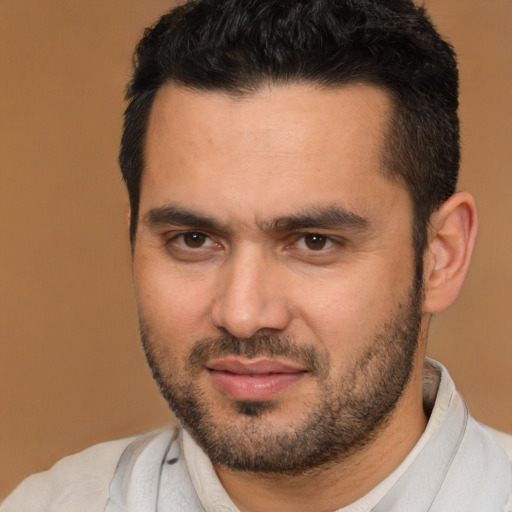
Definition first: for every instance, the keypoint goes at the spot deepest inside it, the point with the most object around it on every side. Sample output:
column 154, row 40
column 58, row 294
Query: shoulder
column 77, row 483
column 504, row 440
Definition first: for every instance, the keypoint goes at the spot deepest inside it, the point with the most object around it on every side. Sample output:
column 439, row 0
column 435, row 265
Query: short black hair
column 237, row 46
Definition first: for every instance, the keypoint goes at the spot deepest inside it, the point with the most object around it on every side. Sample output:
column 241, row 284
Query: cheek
column 346, row 311
column 175, row 309
column 340, row 319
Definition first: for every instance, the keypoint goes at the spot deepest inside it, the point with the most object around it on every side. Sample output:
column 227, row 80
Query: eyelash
column 316, row 238
column 175, row 239
column 297, row 239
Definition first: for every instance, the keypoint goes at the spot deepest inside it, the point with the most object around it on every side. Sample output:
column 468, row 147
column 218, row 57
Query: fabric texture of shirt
column 457, row 465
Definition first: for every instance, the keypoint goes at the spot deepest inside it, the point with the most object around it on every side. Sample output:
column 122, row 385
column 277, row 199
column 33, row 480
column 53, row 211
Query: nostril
column 245, row 322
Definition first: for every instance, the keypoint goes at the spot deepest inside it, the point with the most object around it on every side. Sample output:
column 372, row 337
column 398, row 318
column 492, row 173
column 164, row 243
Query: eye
column 314, row 242
column 191, row 246
column 192, row 240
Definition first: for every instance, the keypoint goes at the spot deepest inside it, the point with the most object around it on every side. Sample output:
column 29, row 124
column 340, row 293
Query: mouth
column 253, row 380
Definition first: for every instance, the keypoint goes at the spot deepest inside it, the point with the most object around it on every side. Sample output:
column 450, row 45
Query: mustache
column 259, row 345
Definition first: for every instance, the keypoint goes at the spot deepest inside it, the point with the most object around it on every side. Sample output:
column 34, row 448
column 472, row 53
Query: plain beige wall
column 71, row 370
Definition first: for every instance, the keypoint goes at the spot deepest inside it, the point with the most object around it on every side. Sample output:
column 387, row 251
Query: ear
column 128, row 217
column 452, row 234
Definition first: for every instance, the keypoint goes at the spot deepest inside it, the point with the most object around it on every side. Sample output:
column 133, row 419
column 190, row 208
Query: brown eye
column 194, row 240
column 315, row 242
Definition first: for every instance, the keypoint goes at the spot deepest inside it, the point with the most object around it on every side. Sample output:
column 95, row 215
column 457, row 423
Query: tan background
column 71, row 370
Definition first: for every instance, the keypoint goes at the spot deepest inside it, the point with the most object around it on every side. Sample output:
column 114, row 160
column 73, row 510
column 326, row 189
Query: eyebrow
column 330, row 217
column 325, row 217
column 179, row 216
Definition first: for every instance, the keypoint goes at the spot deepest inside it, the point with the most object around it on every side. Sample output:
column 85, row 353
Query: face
column 274, row 272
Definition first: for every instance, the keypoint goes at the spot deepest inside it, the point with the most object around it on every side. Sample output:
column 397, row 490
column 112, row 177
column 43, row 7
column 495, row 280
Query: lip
column 253, row 380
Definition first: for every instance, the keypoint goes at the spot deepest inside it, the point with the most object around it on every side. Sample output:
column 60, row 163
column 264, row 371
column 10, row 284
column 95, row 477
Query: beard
column 348, row 412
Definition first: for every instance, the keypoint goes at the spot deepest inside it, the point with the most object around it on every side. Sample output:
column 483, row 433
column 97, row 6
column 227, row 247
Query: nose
column 250, row 296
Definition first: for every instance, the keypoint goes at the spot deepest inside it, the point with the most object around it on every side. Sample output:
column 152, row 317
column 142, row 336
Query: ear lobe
column 452, row 234
column 128, row 217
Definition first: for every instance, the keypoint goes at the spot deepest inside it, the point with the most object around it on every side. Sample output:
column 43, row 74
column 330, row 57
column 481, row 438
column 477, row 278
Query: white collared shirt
column 457, row 465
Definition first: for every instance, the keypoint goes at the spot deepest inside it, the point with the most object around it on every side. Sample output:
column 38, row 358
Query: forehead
column 281, row 147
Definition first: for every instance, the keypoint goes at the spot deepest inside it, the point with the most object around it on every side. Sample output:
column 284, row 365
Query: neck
column 342, row 482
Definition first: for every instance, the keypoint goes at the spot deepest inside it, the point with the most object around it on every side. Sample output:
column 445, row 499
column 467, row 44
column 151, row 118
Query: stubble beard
column 350, row 411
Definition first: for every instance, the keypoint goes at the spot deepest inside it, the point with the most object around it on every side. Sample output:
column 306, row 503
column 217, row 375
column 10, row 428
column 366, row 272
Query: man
column 292, row 167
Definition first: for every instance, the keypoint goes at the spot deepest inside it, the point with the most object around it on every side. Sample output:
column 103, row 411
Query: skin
column 245, row 163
